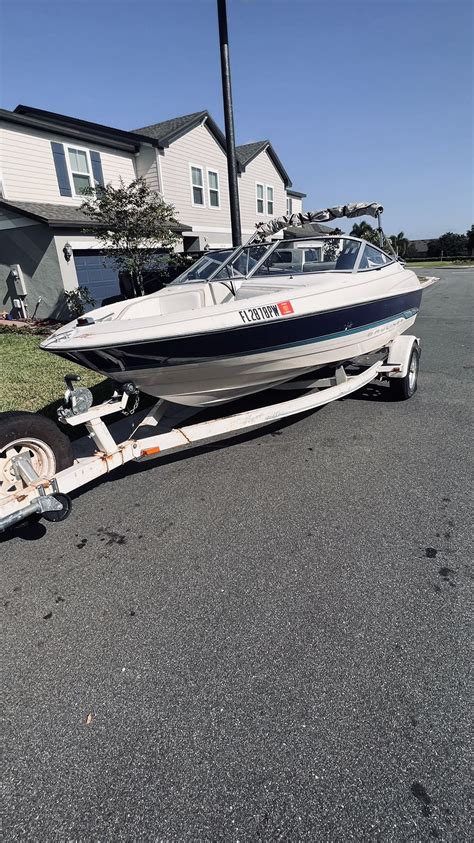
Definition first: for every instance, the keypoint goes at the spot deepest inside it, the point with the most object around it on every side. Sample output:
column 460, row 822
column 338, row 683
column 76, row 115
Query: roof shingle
column 247, row 151
column 168, row 128
column 45, row 212
column 60, row 216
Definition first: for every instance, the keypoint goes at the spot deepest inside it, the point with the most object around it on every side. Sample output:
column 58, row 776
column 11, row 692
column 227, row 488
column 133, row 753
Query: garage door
column 98, row 274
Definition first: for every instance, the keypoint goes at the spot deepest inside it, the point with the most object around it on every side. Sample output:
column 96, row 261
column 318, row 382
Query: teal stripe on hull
column 406, row 314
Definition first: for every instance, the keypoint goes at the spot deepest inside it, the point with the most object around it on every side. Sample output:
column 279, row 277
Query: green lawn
column 31, row 379
column 438, row 264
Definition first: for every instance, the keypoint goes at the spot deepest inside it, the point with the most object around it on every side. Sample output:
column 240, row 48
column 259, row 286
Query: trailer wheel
column 403, row 388
column 49, row 449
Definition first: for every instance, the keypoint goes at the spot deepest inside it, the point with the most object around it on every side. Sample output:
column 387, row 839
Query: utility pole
column 229, row 125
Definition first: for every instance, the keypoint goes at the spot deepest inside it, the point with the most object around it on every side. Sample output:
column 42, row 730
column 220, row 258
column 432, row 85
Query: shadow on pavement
column 374, row 391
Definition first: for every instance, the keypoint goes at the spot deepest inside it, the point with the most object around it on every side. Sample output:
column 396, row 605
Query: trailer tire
column 50, row 450
column 403, row 388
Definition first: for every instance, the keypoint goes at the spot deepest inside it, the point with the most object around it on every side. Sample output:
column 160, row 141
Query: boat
column 247, row 319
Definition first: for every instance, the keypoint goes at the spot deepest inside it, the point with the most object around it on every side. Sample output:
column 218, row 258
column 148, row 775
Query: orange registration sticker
column 285, row 307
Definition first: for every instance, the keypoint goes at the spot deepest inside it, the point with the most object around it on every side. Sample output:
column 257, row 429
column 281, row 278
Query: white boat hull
column 222, row 380
column 187, row 346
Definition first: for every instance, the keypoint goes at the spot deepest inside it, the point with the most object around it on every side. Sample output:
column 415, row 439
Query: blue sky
column 369, row 100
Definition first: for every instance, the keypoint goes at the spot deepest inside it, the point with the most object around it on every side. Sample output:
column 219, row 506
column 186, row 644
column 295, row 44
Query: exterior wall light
column 67, row 252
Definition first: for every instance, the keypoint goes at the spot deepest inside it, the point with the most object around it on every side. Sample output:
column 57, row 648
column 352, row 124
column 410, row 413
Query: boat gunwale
column 232, row 328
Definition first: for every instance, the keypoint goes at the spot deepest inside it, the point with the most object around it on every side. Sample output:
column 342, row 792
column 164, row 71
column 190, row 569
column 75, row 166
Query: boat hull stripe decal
column 256, row 339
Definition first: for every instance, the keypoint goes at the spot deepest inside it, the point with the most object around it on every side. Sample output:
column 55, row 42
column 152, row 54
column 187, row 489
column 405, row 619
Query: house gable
column 197, row 148
column 168, row 131
column 261, row 170
column 247, row 152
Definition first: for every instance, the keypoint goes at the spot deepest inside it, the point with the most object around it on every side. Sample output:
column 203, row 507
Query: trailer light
column 147, row 452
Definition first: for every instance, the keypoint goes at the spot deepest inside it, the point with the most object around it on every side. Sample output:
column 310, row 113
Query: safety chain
column 129, row 411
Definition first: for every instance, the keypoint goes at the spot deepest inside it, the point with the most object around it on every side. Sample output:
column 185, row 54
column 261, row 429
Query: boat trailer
column 49, row 497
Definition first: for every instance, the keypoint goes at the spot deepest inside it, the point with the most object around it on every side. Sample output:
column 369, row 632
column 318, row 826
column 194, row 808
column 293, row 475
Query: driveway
column 265, row 640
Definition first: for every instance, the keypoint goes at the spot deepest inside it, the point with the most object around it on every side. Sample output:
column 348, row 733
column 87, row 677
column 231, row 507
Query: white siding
column 199, row 148
column 263, row 171
column 296, row 205
column 147, row 167
column 28, row 167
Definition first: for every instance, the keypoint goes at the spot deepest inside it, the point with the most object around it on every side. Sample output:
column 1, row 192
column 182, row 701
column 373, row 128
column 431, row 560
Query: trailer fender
column 400, row 354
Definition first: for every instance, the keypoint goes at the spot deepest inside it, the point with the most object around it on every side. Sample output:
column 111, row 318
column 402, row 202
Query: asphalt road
column 267, row 640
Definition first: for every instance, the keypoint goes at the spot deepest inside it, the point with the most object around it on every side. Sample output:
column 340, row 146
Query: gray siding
column 31, row 246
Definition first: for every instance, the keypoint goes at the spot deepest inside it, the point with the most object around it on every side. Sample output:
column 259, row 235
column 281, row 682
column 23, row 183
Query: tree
column 400, row 243
column 133, row 225
column 449, row 244
column 470, row 239
column 366, row 231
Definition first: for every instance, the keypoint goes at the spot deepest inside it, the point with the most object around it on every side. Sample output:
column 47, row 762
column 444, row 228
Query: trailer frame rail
column 48, row 497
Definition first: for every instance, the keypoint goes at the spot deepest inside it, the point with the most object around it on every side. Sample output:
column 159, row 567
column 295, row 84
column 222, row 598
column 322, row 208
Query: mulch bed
column 28, row 326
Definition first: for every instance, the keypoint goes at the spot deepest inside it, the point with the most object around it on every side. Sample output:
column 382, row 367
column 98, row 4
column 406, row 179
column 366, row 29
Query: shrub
column 77, row 299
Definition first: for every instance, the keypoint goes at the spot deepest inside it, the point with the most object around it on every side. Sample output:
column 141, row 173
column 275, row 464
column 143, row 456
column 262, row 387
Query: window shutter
column 61, row 169
column 97, row 169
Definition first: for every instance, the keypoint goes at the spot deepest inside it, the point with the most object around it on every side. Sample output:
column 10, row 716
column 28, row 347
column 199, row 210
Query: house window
column 213, row 184
column 289, row 206
column 80, row 167
column 260, row 205
column 270, row 201
column 197, row 184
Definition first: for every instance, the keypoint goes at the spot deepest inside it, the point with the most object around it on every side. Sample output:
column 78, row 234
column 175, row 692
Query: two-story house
column 47, row 159
column 191, row 173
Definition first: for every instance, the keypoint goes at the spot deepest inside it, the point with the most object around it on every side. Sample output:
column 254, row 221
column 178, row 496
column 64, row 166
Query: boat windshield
column 204, row 267
column 314, row 255
column 225, row 263
column 286, row 257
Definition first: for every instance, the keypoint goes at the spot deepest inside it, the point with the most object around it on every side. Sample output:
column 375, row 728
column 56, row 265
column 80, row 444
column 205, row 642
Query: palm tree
column 365, row 230
column 400, row 243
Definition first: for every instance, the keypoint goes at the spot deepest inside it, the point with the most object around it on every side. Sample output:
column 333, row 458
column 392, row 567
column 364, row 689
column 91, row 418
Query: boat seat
column 346, row 260
column 157, row 305
column 189, row 300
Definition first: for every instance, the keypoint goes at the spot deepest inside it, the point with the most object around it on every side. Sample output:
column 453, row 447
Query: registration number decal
column 267, row 311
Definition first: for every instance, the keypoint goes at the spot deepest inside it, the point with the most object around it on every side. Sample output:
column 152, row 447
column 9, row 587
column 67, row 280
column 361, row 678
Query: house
column 418, row 248
column 294, row 201
column 46, row 159
column 190, row 171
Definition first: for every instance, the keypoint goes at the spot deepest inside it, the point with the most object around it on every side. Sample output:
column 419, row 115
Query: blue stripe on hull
column 407, row 314
column 250, row 339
